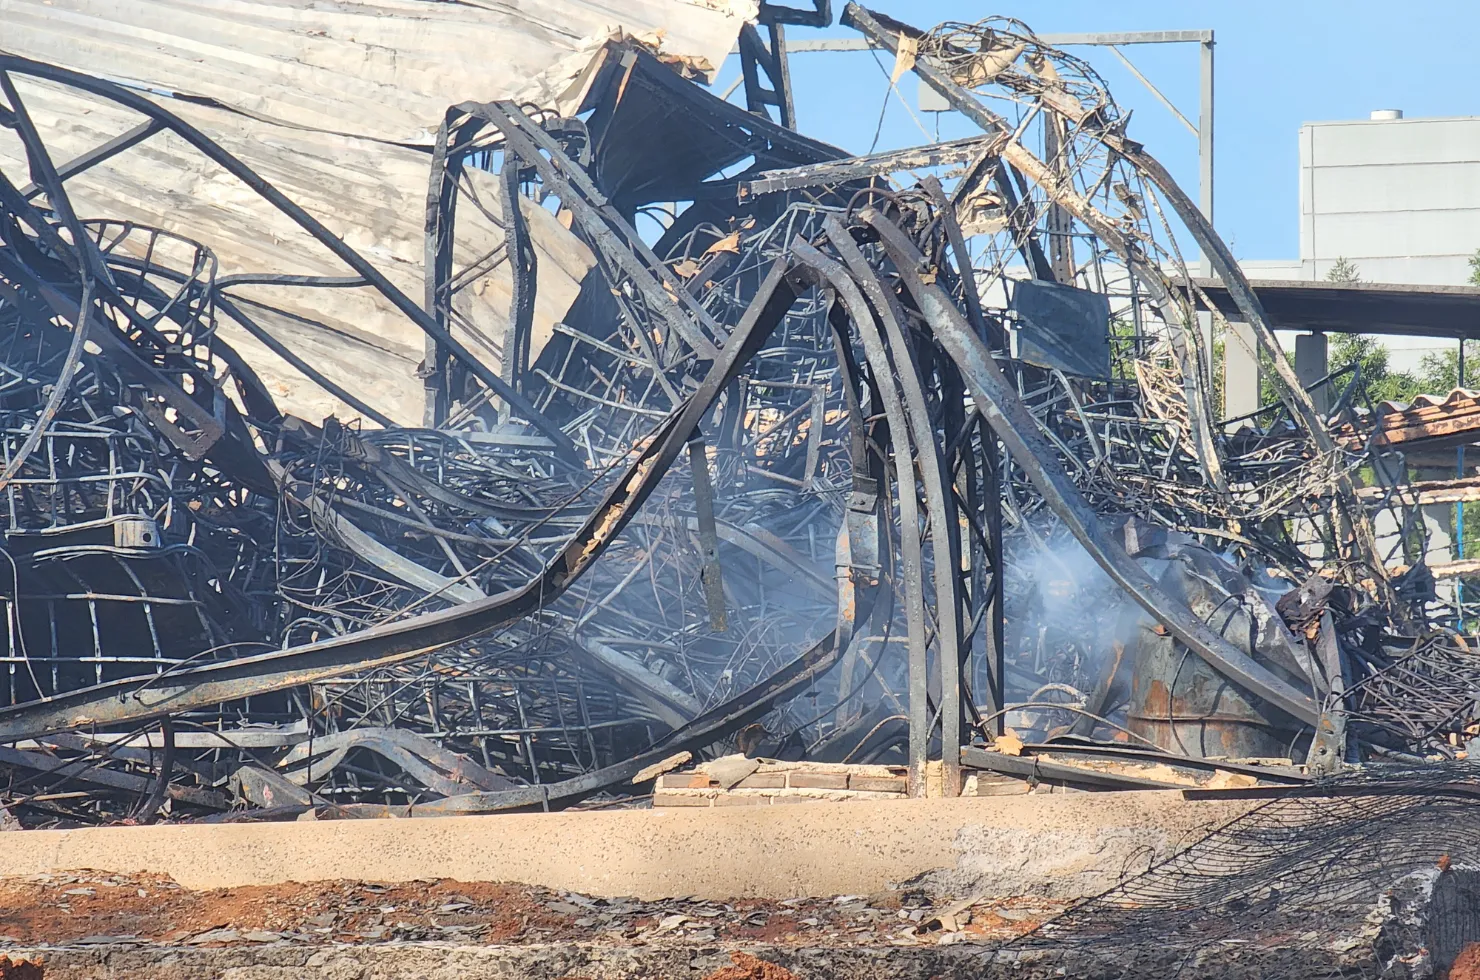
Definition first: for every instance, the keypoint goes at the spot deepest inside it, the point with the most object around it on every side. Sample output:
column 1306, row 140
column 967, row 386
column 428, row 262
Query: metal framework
column 789, row 478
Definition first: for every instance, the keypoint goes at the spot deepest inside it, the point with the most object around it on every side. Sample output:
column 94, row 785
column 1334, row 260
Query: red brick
column 742, row 799
column 763, row 780
column 878, row 784
column 680, row 799
column 817, row 780
column 683, row 780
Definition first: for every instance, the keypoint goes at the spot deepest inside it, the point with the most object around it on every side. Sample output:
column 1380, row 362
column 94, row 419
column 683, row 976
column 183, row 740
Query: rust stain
column 748, row 967
column 21, row 969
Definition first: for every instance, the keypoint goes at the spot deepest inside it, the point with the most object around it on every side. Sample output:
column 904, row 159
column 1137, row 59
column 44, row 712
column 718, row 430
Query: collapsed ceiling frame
column 535, row 576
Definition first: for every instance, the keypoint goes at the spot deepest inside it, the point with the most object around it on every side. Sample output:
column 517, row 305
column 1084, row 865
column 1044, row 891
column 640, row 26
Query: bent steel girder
column 1176, row 315
column 1351, row 512
column 140, row 699
column 912, row 563
column 940, row 506
column 263, row 188
column 996, row 400
column 136, row 700
column 1354, row 535
column 811, row 267
column 608, row 230
column 93, row 272
column 258, row 398
column 704, row 730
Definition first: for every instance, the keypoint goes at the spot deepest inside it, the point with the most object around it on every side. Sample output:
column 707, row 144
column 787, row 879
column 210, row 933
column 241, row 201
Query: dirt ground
column 83, row 908
column 1467, row 964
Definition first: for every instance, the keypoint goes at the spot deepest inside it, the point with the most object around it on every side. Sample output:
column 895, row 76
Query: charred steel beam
column 774, row 13
column 1290, row 775
column 99, row 154
column 392, row 562
column 674, row 707
column 94, row 274
column 523, row 270
column 859, row 168
column 704, row 730
column 763, row 315
column 711, row 574
column 944, row 522
column 1061, row 193
column 1024, row 230
column 1358, row 531
column 755, row 56
column 764, row 545
column 964, row 271
column 998, row 402
column 1354, row 530
column 435, row 767
column 441, row 211
column 90, row 772
column 1056, row 772
column 135, row 699
column 130, row 363
column 882, row 370
column 263, row 188
column 228, row 305
column 662, row 291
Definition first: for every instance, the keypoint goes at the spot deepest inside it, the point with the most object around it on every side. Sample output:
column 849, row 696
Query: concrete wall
column 1064, row 846
column 1399, row 197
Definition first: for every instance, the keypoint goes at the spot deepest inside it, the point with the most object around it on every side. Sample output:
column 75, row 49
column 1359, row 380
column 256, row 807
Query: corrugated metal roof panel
column 342, row 83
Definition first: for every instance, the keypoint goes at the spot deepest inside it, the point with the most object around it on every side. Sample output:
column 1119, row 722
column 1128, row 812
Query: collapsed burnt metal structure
column 812, row 473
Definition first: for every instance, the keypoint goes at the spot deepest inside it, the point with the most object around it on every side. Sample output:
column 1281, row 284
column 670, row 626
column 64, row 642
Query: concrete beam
column 1240, row 370
column 1311, row 366
column 1053, row 40
column 1068, row 846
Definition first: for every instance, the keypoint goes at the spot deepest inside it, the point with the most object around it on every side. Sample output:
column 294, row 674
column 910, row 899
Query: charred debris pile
column 845, row 465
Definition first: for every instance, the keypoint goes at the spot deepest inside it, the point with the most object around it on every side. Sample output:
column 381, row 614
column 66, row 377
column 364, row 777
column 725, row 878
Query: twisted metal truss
column 778, row 480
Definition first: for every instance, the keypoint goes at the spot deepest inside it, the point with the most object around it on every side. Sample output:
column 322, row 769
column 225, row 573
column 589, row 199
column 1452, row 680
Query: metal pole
column 1459, row 507
column 1205, row 134
column 1205, row 182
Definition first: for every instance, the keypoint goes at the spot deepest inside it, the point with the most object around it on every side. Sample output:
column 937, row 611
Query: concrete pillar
column 1310, row 366
column 1436, row 518
column 1240, row 370
column 1390, row 470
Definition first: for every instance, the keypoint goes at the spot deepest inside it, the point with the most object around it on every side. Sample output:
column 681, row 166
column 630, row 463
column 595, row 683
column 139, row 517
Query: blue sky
column 1279, row 64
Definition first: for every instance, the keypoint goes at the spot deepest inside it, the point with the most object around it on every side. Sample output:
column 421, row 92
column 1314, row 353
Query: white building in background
column 1398, row 197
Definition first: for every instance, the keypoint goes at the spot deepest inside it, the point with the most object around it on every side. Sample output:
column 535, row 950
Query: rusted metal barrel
column 1185, row 706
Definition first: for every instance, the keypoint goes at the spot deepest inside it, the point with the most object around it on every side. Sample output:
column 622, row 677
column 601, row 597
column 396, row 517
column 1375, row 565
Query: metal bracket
column 712, row 575
column 1328, row 747
column 819, row 16
column 757, row 57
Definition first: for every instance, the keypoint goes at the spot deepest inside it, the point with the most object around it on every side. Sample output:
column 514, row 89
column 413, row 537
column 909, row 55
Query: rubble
column 64, row 910
column 861, row 477
column 674, row 520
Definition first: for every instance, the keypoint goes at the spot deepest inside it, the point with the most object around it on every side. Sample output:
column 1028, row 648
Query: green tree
column 1438, row 372
column 1475, row 268
column 1380, row 382
column 1344, row 270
